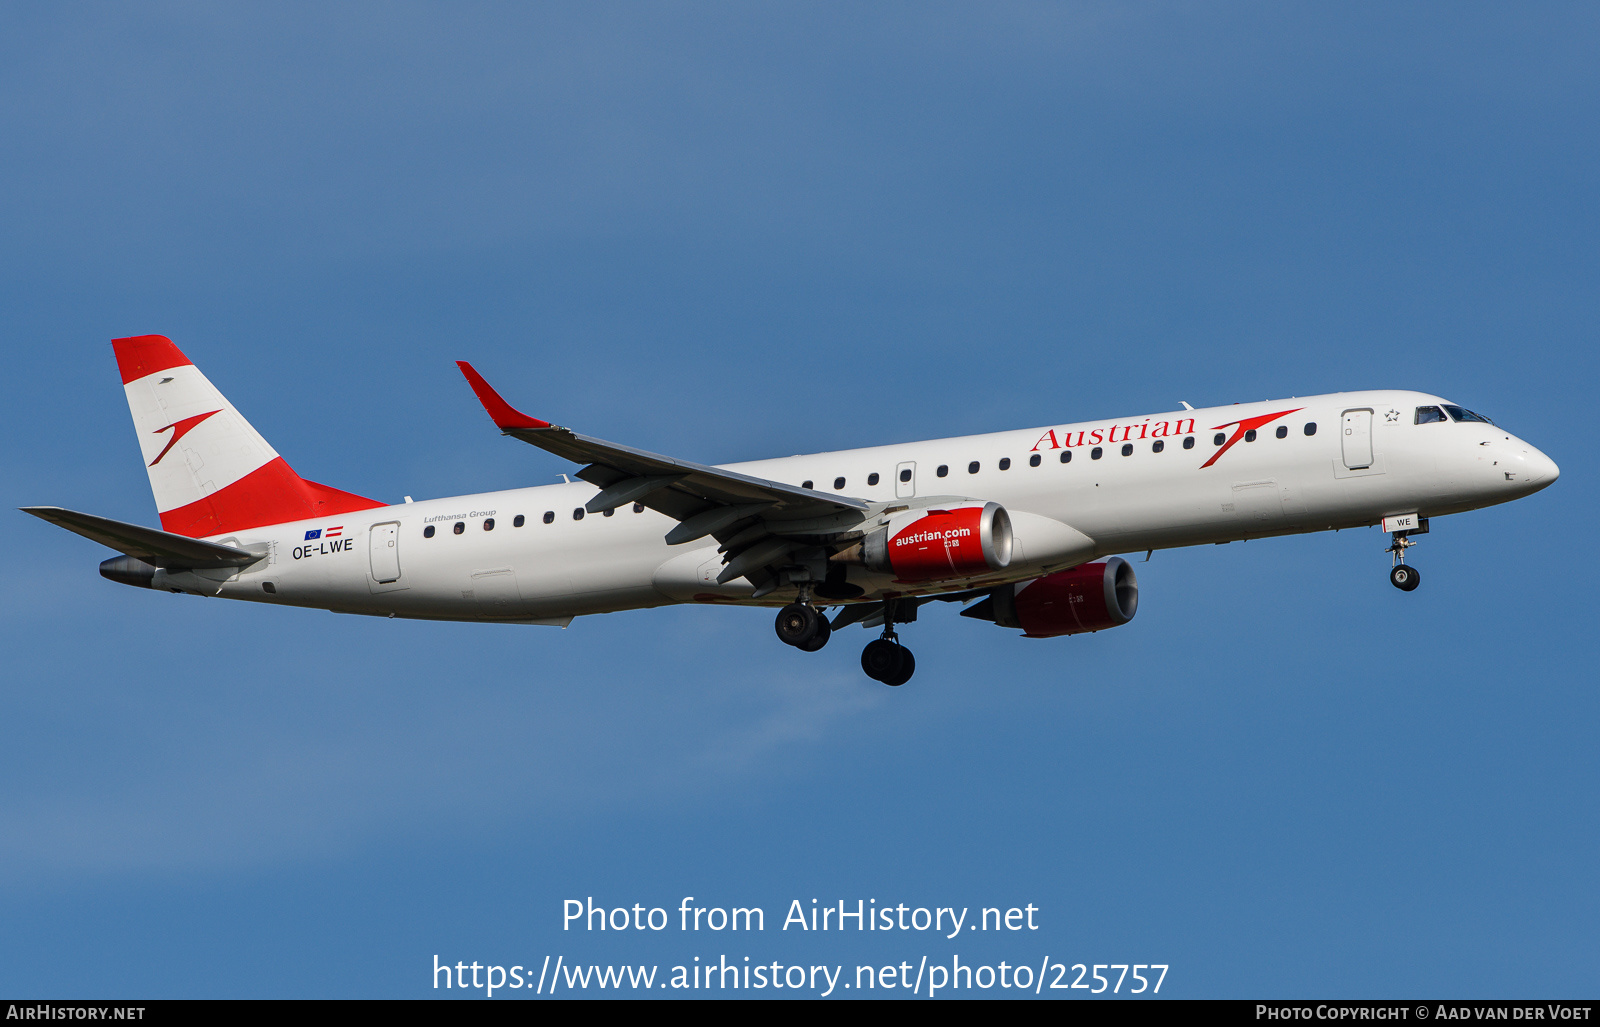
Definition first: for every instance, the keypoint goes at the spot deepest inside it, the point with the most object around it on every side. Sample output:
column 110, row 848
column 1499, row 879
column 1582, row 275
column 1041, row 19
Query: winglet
column 504, row 415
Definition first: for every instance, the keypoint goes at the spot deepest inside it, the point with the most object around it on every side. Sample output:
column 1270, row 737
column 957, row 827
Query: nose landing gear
column 1403, row 576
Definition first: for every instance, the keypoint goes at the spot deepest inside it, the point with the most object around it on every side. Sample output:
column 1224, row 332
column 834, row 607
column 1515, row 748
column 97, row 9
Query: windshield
column 1463, row 414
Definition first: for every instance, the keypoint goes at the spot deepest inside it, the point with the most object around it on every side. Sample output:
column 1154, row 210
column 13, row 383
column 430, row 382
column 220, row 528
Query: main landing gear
column 1402, row 576
column 803, row 626
column 884, row 659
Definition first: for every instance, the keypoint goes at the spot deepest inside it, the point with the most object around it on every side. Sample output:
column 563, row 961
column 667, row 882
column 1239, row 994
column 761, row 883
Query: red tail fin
column 211, row 472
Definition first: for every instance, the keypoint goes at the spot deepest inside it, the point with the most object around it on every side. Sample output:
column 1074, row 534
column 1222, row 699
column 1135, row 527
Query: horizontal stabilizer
column 157, row 548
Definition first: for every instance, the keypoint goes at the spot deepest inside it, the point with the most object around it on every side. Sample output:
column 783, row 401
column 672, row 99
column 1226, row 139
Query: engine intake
column 937, row 545
column 1089, row 597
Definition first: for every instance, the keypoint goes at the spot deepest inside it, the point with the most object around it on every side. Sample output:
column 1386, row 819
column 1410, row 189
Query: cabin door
column 1356, row 435
column 384, row 547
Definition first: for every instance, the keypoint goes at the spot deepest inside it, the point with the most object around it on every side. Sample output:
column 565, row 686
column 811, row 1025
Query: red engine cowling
column 1090, row 597
column 940, row 545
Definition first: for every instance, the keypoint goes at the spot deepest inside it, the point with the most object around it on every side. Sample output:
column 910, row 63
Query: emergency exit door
column 1357, row 439
column 905, row 480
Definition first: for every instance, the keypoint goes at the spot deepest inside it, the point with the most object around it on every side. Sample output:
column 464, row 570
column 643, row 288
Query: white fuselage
column 548, row 571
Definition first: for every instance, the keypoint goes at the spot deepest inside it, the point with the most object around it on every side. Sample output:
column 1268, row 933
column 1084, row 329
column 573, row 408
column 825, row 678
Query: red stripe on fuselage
column 142, row 355
column 270, row 494
column 1245, row 425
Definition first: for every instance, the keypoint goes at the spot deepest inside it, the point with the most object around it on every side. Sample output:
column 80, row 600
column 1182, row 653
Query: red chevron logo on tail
column 179, row 429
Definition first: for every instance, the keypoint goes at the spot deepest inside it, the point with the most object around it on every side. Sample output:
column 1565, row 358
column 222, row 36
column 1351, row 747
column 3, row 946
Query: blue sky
column 734, row 231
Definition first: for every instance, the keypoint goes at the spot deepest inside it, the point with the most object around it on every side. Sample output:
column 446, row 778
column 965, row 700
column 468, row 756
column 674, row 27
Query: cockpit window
column 1463, row 414
column 1428, row 415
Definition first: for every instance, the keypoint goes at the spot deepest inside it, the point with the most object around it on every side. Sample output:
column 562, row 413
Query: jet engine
column 938, row 545
column 129, row 570
column 1089, row 597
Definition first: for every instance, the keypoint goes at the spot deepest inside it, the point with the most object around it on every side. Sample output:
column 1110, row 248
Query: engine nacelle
column 1089, row 597
column 129, row 570
column 941, row 545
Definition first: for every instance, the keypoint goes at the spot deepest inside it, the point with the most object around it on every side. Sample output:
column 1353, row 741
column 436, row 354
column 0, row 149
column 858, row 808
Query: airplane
column 1023, row 527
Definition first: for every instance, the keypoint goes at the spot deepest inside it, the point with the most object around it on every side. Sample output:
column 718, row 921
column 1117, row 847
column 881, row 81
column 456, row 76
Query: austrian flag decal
column 317, row 533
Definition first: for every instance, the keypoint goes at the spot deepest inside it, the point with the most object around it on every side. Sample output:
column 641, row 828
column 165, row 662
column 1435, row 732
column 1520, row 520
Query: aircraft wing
column 705, row 500
column 158, row 548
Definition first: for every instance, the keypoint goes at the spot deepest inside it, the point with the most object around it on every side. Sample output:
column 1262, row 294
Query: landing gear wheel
column 819, row 638
column 797, row 624
column 908, row 667
column 1405, row 577
column 888, row 661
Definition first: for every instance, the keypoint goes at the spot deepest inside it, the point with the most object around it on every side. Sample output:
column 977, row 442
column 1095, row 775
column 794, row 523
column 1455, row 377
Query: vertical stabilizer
column 211, row 472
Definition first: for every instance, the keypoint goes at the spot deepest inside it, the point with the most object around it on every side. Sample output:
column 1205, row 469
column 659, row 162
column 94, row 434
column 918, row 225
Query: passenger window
column 488, row 524
column 1158, row 445
column 872, row 479
column 577, row 513
column 972, row 468
column 427, row 532
column 905, row 475
column 1033, row 461
column 1005, row 463
column 943, row 470
column 1188, row 442
column 518, row 521
column 549, row 516
column 1066, row 456
column 460, row 527
column 1250, row 436
column 1218, row 439
column 638, row 508
column 838, row 483
column 806, row 484
column 1096, row 453
column 1428, row 415
column 1311, row 427
column 1127, row 449
column 1283, row 431
column 611, row 511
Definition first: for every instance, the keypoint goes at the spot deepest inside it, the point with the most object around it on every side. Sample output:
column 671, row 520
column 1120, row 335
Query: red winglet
column 504, row 415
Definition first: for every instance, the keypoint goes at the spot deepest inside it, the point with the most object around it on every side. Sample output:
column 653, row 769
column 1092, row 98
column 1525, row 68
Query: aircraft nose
column 1541, row 469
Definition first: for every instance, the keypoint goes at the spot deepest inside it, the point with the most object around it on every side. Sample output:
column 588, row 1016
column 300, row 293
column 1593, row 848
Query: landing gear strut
column 885, row 659
column 1402, row 576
